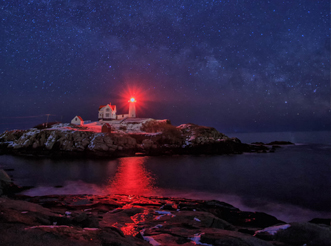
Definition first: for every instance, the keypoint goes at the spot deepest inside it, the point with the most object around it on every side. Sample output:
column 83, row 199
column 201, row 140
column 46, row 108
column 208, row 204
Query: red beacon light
column 132, row 99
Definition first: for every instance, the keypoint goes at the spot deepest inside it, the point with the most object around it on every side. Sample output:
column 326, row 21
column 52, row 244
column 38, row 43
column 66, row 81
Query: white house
column 77, row 120
column 108, row 112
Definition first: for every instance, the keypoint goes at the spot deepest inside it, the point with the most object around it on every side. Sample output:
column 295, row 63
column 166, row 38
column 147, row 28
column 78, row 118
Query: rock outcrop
column 134, row 220
column 128, row 220
column 57, row 142
column 154, row 137
column 7, row 187
column 5, row 181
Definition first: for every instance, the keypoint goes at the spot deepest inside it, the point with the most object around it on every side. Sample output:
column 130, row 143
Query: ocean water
column 292, row 184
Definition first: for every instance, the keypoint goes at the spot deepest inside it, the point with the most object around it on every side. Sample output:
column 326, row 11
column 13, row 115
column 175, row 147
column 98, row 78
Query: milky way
column 241, row 65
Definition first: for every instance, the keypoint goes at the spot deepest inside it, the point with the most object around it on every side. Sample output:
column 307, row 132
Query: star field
column 236, row 65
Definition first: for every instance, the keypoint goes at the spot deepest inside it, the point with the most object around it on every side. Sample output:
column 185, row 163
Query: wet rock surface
column 137, row 220
column 154, row 138
column 7, row 186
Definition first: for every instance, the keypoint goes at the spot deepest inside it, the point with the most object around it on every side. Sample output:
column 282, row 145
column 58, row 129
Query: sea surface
column 292, row 184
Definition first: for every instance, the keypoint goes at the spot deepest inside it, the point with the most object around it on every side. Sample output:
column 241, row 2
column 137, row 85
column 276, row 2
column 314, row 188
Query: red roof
column 79, row 118
column 113, row 107
column 102, row 107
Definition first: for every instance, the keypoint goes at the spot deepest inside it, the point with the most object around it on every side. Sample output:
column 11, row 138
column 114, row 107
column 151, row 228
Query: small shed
column 77, row 120
column 106, row 128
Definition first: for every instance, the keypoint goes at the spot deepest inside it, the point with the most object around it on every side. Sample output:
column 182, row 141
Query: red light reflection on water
column 132, row 178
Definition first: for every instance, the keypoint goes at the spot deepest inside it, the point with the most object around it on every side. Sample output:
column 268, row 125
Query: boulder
column 197, row 219
column 27, row 139
column 5, row 182
column 4, row 176
column 147, row 143
column 218, row 237
column 84, row 220
column 108, row 140
column 321, row 221
column 36, row 144
column 304, row 233
column 9, row 136
column 67, row 145
column 97, row 143
column 7, row 187
column 120, row 218
column 61, row 235
column 42, row 138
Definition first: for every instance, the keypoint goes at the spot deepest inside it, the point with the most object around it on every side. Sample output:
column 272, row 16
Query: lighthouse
column 132, row 107
column 108, row 112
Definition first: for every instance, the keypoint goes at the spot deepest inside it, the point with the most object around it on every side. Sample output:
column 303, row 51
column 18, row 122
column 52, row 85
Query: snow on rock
column 47, row 226
column 159, row 217
column 51, row 140
column 90, row 229
column 272, row 230
column 196, row 219
column 149, row 239
column 60, row 125
column 163, row 213
column 199, row 135
column 92, row 145
column 157, row 226
column 12, row 144
column 26, row 139
column 196, row 240
column 97, row 143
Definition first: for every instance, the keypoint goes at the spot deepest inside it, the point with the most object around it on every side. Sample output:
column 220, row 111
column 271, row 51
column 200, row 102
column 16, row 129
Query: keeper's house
column 108, row 112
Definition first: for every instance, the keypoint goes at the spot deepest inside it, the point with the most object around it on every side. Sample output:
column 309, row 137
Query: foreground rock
column 125, row 220
column 7, row 186
column 135, row 220
column 154, row 137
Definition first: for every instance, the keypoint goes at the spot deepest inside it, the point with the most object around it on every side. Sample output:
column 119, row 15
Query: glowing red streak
column 132, row 178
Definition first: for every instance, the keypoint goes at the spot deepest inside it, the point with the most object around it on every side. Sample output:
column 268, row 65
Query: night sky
column 237, row 65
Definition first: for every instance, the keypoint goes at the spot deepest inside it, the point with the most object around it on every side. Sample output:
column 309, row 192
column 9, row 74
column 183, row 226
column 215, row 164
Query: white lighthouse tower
column 132, row 107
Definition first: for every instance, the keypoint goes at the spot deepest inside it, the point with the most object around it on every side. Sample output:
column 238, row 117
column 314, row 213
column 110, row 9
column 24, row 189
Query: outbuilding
column 106, row 128
column 77, row 120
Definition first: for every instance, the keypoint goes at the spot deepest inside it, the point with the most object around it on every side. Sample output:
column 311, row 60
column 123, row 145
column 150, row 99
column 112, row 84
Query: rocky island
column 127, row 138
